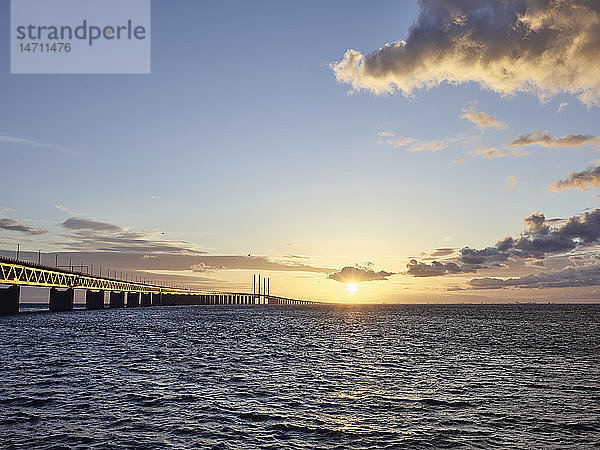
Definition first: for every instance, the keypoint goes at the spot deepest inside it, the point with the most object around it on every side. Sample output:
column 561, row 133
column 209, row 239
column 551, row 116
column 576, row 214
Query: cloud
column 510, row 182
column 545, row 139
column 542, row 47
column 78, row 224
column 70, row 212
column 5, row 139
column 358, row 275
column 492, row 152
column 536, row 224
column 416, row 145
column 481, row 119
column 88, row 235
column 435, row 269
column 562, row 106
column 570, row 276
column 203, row 267
column 439, row 252
column 13, row 225
column 586, row 179
column 540, row 239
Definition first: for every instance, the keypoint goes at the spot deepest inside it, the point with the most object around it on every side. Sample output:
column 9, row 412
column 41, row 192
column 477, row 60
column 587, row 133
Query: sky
column 425, row 151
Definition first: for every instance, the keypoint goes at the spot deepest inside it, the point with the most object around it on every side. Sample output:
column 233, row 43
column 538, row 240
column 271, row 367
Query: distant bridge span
column 62, row 284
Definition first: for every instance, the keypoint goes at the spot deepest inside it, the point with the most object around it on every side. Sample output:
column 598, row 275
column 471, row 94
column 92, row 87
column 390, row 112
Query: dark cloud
column 88, row 235
column 435, row 269
column 77, row 224
column 82, row 242
column 13, row 225
column 509, row 46
column 545, row 139
column 358, row 274
column 586, row 179
column 571, row 276
column 440, row 252
column 539, row 240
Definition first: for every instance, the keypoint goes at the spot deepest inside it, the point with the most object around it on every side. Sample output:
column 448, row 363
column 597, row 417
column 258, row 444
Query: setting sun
column 352, row 287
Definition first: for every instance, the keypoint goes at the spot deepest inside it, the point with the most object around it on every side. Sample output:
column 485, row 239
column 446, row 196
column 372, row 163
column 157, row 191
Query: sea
column 323, row 376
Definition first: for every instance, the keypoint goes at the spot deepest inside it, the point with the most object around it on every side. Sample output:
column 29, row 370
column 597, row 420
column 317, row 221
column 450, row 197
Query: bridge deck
column 22, row 273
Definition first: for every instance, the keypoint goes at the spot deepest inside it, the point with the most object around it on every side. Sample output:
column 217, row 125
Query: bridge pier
column 117, row 299
column 61, row 300
column 133, row 299
column 94, row 299
column 156, row 299
column 146, row 299
column 9, row 300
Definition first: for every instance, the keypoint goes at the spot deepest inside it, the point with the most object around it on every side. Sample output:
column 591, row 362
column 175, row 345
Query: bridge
column 122, row 293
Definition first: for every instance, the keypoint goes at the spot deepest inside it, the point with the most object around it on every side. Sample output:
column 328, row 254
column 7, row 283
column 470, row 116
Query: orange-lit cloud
column 482, row 119
column 545, row 139
column 586, row 179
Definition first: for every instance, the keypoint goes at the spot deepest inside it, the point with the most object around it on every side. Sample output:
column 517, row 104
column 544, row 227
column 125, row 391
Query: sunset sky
column 395, row 145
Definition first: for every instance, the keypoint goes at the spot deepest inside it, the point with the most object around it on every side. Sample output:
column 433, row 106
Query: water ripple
column 517, row 376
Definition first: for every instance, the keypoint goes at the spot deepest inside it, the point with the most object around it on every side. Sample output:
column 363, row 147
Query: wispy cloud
column 562, row 106
column 492, row 152
column 70, row 212
column 508, row 47
column 14, row 225
column 415, row 145
column 546, row 139
column 511, row 182
column 6, row 139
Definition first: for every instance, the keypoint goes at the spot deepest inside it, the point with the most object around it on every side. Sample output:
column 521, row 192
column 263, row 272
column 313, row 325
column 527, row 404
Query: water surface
column 302, row 376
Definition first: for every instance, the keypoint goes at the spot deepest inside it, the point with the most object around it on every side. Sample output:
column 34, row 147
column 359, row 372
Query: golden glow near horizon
column 352, row 288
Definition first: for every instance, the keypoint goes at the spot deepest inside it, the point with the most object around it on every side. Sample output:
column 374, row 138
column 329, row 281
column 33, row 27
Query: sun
column 352, row 287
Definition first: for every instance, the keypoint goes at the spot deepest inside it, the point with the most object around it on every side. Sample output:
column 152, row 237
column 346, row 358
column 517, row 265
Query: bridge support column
column 9, row 300
column 117, row 299
column 156, row 299
column 133, row 299
column 94, row 299
column 61, row 300
column 146, row 299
